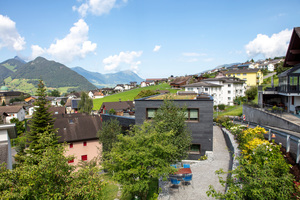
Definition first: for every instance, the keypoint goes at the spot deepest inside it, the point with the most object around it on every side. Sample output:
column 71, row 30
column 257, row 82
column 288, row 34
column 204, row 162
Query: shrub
column 221, row 119
column 112, row 111
column 221, row 107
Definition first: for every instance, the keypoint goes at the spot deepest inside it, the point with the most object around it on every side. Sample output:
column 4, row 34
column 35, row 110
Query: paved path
column 204, row 173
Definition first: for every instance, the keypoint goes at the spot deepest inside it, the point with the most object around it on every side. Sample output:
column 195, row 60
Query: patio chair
column 175, row 166
column 187, row 179
column 175, row 183
column 186, row 166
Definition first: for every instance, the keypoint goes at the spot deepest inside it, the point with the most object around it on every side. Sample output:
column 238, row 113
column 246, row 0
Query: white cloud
column 269, row 47
column 192, row 60
column 113, row 62
column 97, row 7
column 9, row 36
column 193, row 54
column 157, row 48
column 75, row 44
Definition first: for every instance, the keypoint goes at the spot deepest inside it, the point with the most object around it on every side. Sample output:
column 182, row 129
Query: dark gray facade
column 202, row 129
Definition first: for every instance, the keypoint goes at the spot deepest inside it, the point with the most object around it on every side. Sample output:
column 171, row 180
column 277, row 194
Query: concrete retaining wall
column 263, row 118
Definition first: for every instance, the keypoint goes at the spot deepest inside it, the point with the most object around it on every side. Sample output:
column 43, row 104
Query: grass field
column 129, row 95
column 231, row 110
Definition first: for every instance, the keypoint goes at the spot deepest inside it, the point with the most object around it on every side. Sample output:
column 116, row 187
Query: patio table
column 184, row 171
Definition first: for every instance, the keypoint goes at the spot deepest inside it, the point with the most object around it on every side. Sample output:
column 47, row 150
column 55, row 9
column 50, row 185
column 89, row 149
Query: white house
column 7, row 132
column 12, row 112
column 119, row 88
column 144, row 84
column 223, row 90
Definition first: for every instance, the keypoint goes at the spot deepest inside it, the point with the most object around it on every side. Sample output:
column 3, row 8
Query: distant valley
column 21, row 76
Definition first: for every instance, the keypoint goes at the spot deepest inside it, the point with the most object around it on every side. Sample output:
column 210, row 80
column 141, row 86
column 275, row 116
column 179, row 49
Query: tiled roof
column 242, row 71
column 57, row 110
column 77, row 127
column 200, row 84
column 10, row 109
column 118, row 106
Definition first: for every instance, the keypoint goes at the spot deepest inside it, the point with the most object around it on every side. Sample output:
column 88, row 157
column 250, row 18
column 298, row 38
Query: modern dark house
column 287, row 93
column 199, row 118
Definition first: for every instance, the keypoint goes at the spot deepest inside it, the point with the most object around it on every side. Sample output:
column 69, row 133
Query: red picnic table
column 184, row 171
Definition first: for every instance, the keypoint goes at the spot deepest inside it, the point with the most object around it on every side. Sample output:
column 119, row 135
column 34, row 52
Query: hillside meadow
column 130, row 94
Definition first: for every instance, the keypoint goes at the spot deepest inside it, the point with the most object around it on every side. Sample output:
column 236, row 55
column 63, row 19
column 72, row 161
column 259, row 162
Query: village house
column 223, row 90
column 6, row 96
column 119, row 88
column 253, row 77
column 180, row 81
column 95, row 94
column 144, row 84
column 199, row 118
column 287, row 93
column 80, row 133
column 120, row 107
column 9, row 112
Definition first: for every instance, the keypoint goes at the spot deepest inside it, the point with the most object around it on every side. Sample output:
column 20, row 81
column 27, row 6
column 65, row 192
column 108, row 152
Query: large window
column 150, row 113
column 195, row 149
column 192, row 114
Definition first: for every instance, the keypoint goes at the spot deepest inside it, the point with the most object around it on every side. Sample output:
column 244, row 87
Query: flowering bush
column 263, row 172
column 249, row 134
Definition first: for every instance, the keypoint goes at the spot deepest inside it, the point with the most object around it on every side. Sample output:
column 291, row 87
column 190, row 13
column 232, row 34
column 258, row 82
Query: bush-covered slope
column 54, row 74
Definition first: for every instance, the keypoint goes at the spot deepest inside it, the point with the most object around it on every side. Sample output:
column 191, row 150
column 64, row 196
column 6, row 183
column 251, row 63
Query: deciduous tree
column 85, row 104
column 170, row 117
column 140, row 157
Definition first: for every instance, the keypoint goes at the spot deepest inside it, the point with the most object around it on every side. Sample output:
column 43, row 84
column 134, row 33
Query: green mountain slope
column 54, row 75
column 4, row 73
column 13, row 64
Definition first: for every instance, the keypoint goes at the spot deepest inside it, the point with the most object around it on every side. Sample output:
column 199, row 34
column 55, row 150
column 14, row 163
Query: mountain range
column 108, row 80
column 22, row 76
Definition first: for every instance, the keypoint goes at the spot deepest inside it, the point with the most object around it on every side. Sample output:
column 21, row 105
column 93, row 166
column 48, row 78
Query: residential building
column 7, row 132
column 287, row 93
column 179, row 81
column 223, row 90
column 120, row 107
column 10, row 112
column 80, row 132
column 144, row 84
column 6, row 96
column 253, row 77
column 199, row 118
column 95, row 94
column 119, row 88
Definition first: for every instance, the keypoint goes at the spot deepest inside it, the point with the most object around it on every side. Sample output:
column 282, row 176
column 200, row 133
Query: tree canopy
column 170, row 117
column 139, row 157
column 85, row 104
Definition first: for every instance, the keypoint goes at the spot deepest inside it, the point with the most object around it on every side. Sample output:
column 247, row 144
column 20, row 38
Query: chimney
column 119, row 100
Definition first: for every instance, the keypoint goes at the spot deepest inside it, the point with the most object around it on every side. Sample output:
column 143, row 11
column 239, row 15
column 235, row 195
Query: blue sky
column 155, row 38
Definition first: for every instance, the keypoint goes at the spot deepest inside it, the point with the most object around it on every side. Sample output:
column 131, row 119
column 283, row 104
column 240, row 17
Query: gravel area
column 203, row 173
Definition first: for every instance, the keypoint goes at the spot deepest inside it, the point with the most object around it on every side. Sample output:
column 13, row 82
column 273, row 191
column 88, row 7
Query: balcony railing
column 289, row 88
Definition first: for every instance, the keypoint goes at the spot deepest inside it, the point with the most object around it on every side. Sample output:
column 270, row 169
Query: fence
column 288, row 139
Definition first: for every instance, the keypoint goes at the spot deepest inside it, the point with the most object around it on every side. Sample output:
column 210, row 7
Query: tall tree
column 54, row 93
column 108, row 135
column 170, row 117
column 85, row 104
column 41, row 121
column 52, row 177
column 139, row 157
column 251, row 93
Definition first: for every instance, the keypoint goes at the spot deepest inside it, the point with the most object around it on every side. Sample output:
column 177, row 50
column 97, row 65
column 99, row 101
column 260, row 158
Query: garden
column 265, row 170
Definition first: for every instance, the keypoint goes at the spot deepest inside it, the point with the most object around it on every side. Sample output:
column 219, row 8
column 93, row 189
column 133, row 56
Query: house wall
column 296, row 103
column 221, row 95
column 93, row 149
column 5, row 140
column 250, row 78
column 19, row 115
column 202, row 131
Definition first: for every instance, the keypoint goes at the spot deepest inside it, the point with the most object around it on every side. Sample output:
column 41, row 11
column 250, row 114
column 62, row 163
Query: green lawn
column 129, row 95
column 231, row 111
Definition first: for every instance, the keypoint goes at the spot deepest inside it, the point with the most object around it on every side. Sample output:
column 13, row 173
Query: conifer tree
column 41, row 121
